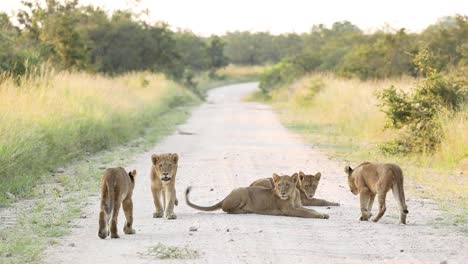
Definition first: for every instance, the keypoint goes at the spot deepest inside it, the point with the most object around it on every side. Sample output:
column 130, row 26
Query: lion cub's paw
column 115, row 236
column 365, row 217
column 158, row 215
column 129, row 231
column 325, row 216
column 336, row 204
column 170, row 216
column 103, row 234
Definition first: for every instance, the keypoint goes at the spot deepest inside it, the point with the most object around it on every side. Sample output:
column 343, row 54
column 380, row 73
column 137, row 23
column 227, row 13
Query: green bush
column 416, row 114
column 288, row 70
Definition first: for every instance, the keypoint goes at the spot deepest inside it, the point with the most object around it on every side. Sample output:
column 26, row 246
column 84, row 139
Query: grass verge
column 56, row 118
column 342, row 117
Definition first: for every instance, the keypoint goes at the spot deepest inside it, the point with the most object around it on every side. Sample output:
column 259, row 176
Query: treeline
column 347, row 51
column 73, row 37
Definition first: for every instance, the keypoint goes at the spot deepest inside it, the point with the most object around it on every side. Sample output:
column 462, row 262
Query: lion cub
column 307, row 185
column 283, row 199
column 163, row 176
column 116, row 189
column 370, row 179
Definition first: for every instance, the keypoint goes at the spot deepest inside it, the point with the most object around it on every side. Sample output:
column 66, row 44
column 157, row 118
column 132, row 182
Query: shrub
column 288, row 70
column 416, row 114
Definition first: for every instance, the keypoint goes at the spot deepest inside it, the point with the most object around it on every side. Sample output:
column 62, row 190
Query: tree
column 447, row 40
column 54, row 29
column 192, row 49
column 216, row 56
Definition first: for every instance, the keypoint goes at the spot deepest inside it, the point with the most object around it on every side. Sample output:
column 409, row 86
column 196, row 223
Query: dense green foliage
column 260, row 48
column 347, row 51
column 74, row 37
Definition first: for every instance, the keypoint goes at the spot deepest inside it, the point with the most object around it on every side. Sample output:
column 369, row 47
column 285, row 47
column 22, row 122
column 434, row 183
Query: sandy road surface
column 235, row 142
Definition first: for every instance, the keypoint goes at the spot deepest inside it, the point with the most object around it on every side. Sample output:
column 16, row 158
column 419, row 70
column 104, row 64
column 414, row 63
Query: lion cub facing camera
column 116, row 188
column 163, row 176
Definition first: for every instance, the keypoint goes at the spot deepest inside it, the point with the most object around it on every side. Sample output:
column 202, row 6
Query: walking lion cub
column 283, row 199
column 116, row 188
column 370, row 179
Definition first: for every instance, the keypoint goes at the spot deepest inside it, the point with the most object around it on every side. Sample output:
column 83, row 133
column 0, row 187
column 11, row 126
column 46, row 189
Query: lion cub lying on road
column 163, row 176
column 116, row 188
column 307, row 185
column 283, row 199
column 369, row 179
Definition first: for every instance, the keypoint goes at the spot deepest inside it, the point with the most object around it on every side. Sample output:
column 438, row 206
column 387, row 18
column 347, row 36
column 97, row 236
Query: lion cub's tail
column 201, row 208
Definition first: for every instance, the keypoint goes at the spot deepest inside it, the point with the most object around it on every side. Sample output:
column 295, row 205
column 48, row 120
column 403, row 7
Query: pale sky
column 207, row 17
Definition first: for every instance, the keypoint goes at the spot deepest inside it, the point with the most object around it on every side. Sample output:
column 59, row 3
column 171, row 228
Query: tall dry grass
column 349, row 105
column 56, row 117
column 242, row 70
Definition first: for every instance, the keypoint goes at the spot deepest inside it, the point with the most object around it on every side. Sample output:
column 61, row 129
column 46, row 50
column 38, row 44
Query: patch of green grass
column 103, row 135
column 161, row 251
column 257, row 96
column 71, row 116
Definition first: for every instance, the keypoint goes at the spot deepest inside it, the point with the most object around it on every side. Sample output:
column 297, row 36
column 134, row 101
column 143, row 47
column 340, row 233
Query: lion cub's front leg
column 306, row 213
column 170, row 202
column 365, row 197
column 157, row 202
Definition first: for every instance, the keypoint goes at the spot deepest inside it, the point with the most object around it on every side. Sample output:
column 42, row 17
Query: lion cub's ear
column 348, row 170
column 295, row 177
column 301, row 175
column 318, row 175
column 132, row 175
column 276, row 177
column 175, row 157
column 155, row 158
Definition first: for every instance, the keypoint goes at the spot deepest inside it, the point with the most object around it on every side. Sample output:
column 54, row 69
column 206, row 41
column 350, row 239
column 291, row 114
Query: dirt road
column 233, row 143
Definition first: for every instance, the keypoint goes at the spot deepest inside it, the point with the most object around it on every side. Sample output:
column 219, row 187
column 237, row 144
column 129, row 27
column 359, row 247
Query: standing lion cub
column 370, row 179
column 116, row 188
column 163, row 176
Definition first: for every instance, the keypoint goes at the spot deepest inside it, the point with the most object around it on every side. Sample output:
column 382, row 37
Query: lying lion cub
column 163, row 176
column 283, row 199
column 307, row 185
column 116, row 188
column 369, row 179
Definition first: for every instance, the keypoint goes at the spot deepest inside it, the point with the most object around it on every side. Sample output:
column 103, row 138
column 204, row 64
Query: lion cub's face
column 351, row 183
column 165, row 165
column 308, row 183
column 285, row 185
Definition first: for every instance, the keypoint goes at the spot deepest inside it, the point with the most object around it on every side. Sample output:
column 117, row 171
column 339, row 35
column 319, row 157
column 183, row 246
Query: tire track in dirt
column 233, row 143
